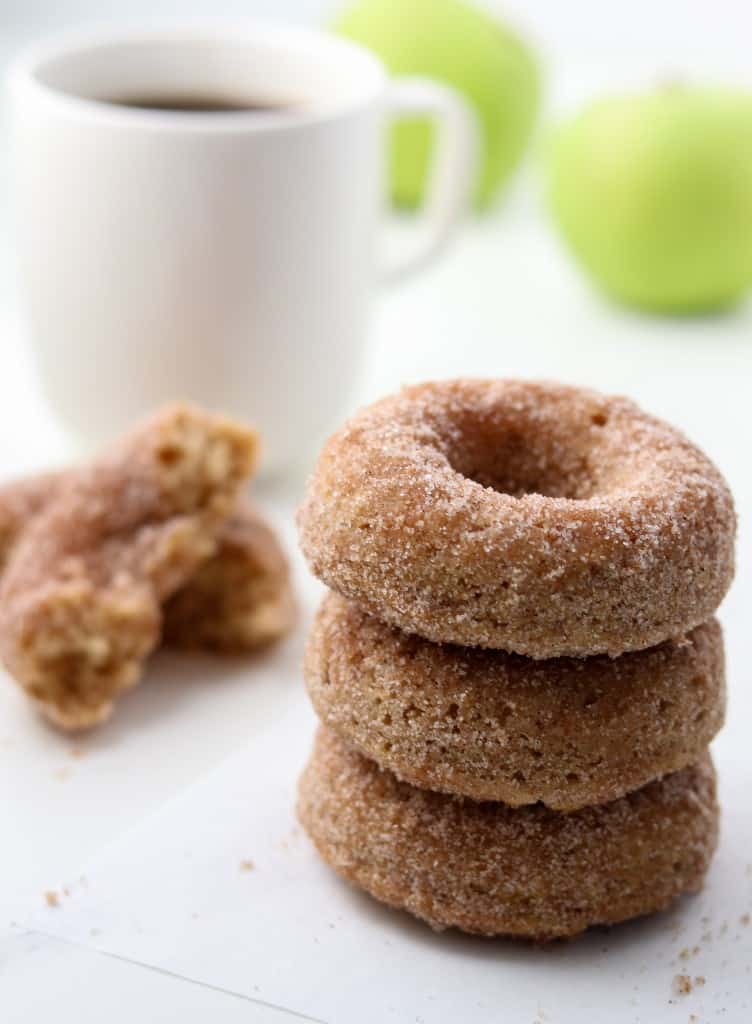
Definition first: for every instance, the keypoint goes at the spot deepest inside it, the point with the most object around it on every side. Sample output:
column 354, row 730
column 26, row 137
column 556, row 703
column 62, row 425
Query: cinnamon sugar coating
column 569, row 732
column 80, row 602
column 495, row 870
column 531, row 517
column 239, row 599
column 20, row 501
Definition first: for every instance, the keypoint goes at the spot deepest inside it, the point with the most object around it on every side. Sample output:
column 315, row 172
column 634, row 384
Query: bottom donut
column 496, row 870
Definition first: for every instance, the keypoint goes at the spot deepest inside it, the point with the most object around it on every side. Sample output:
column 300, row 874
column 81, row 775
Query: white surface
column 504, row 303
column 172, row 894
column 673, row 31
column 62, row 797
column 90, row 988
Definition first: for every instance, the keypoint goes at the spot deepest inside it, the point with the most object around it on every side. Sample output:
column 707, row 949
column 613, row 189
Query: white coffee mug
column 226, row 257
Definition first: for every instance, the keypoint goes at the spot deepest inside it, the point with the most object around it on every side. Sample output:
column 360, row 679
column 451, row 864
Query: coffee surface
column 202, row 103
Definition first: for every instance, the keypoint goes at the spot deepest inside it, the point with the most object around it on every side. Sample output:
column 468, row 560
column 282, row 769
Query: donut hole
column 548, row 451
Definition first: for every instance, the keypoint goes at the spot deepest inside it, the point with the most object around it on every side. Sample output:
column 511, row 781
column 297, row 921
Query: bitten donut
column 525, row 516
column 494, row 726
column 20, row 501
column 496, row 870
column 241, row 598
column 81, row 597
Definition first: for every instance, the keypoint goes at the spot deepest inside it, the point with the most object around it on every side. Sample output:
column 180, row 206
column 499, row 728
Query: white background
column 506, row 301
column 586, row 45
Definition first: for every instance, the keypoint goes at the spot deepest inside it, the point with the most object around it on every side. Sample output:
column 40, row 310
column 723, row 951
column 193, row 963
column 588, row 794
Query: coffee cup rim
column 25, row 74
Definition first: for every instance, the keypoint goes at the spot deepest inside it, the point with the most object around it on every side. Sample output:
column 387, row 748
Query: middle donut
column 569, row 732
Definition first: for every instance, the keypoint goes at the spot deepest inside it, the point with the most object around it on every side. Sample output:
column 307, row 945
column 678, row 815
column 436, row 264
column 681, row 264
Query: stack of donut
column 517, row 666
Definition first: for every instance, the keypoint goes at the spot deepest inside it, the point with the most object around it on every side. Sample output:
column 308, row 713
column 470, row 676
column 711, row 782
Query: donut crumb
column 682, row 985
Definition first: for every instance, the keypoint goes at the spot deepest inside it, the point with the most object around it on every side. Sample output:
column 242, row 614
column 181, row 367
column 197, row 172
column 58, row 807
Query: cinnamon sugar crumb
column 682, row 985
column 52, row 898
column 687, row 953
column 247, row 865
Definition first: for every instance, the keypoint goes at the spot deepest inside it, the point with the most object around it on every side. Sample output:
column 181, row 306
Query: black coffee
column 202, row 103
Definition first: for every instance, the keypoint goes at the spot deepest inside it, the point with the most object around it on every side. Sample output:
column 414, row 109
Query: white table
column 505, row 303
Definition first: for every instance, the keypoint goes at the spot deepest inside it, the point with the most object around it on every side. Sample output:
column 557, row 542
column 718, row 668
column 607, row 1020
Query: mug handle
column 451, row 176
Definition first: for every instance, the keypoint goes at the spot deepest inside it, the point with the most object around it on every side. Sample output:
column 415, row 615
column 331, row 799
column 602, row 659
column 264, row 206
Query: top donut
column 531, row 517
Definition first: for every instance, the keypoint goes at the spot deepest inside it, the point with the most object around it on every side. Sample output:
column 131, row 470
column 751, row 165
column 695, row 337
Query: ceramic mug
column 224, row 256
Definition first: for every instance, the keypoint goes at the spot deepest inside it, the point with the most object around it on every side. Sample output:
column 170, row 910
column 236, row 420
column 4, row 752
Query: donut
column 497, row 870
column 531, row 517
column 20, row 501
column 82, row 593
column 494, row 726
column 241, row 598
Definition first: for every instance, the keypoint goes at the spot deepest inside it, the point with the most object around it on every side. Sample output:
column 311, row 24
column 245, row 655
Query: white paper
column 173, row 894
column 87, row 987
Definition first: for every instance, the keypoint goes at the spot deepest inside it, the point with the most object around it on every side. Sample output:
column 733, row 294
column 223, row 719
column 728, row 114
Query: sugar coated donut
column 239, row 600
column 81, row 597
column 526, row 516
column 495, row 726
column 496, row 870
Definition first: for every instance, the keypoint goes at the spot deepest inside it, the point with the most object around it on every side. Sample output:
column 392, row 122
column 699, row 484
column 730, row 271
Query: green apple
column 458, row 44
column 653, row 193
